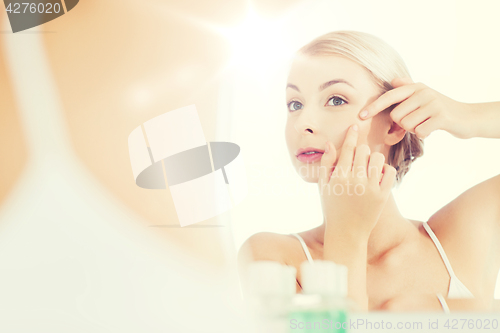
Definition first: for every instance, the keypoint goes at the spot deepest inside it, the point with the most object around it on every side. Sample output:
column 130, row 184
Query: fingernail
column 327, row 149
column 363, row 114
column 355, row 127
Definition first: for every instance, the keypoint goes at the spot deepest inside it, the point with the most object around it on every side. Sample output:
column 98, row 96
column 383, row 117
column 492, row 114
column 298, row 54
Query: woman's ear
column 395, row 134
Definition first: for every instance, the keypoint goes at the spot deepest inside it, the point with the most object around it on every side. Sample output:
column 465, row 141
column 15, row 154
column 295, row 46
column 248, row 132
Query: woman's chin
column 312, row 180
column 309, row 179
column 309, row 172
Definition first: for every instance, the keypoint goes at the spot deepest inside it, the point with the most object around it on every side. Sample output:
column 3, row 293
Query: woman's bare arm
column 351, row 253
column 349, row 219
column 476, row 212
column 485, row 123
column 470, row 227
column 485, row 120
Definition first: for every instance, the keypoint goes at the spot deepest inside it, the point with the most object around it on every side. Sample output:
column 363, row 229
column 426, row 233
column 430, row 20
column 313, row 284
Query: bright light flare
column 257, row 43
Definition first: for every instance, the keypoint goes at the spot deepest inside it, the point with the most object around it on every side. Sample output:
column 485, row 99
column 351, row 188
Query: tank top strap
column 304, row 246
column 444, row 305
column 456, row 288
column 440, row 249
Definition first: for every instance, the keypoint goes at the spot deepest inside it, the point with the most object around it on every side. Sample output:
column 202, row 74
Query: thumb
column 326, row 167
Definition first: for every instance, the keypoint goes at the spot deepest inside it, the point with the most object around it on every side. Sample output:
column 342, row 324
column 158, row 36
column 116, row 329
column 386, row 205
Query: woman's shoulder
column 264, row 246
column 475, row 212
column 468, row 228
column 284, row 248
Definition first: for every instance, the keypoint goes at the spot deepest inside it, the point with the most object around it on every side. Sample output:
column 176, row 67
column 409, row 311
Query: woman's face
column 321, row 109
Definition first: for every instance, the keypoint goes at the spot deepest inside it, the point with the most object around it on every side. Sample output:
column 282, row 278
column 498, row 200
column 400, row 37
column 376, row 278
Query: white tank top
column 456, row 289
column 74, row 259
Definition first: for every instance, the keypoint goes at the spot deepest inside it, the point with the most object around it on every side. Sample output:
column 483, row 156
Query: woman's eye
column 294, row 106
column 336, row 101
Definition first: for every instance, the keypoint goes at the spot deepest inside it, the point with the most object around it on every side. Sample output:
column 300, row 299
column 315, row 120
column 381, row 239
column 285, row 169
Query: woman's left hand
column 422, row 110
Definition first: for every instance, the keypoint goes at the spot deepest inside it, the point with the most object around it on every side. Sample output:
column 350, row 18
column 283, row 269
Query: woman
column 356, row 156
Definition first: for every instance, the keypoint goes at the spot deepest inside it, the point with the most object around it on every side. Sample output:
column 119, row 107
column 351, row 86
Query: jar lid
column 271, row 277
column 324, row 277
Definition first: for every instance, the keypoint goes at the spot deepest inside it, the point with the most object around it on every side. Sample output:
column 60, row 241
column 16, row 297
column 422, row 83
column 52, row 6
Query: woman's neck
column 391, row 230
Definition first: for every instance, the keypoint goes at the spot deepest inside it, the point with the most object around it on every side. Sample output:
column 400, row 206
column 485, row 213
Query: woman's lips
column 309, row 158
column 313, row 156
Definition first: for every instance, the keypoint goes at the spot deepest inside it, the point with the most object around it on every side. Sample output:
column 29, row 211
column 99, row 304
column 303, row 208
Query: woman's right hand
column 354, row 192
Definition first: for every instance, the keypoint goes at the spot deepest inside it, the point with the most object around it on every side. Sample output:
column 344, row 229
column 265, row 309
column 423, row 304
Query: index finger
column 347, row 151
column 396, row 95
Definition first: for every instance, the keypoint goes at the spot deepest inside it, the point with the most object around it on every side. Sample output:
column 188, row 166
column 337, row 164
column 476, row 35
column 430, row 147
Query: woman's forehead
column 320, row 69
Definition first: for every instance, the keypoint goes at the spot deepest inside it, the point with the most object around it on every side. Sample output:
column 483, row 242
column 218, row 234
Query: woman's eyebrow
column 289, row 85
column 329, row 83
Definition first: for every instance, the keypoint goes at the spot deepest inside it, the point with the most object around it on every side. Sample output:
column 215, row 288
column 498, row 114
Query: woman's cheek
column 364, row 132
column 288, row 134
column 337, row 132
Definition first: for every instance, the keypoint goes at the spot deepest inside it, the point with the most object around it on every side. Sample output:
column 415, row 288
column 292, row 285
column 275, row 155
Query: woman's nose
column 305, row 123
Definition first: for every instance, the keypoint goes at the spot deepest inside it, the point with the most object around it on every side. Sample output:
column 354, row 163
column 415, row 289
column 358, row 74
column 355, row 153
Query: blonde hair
column 384, row 64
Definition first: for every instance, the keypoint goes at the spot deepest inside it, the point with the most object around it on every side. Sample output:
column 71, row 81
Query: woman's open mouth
column 309, row 155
